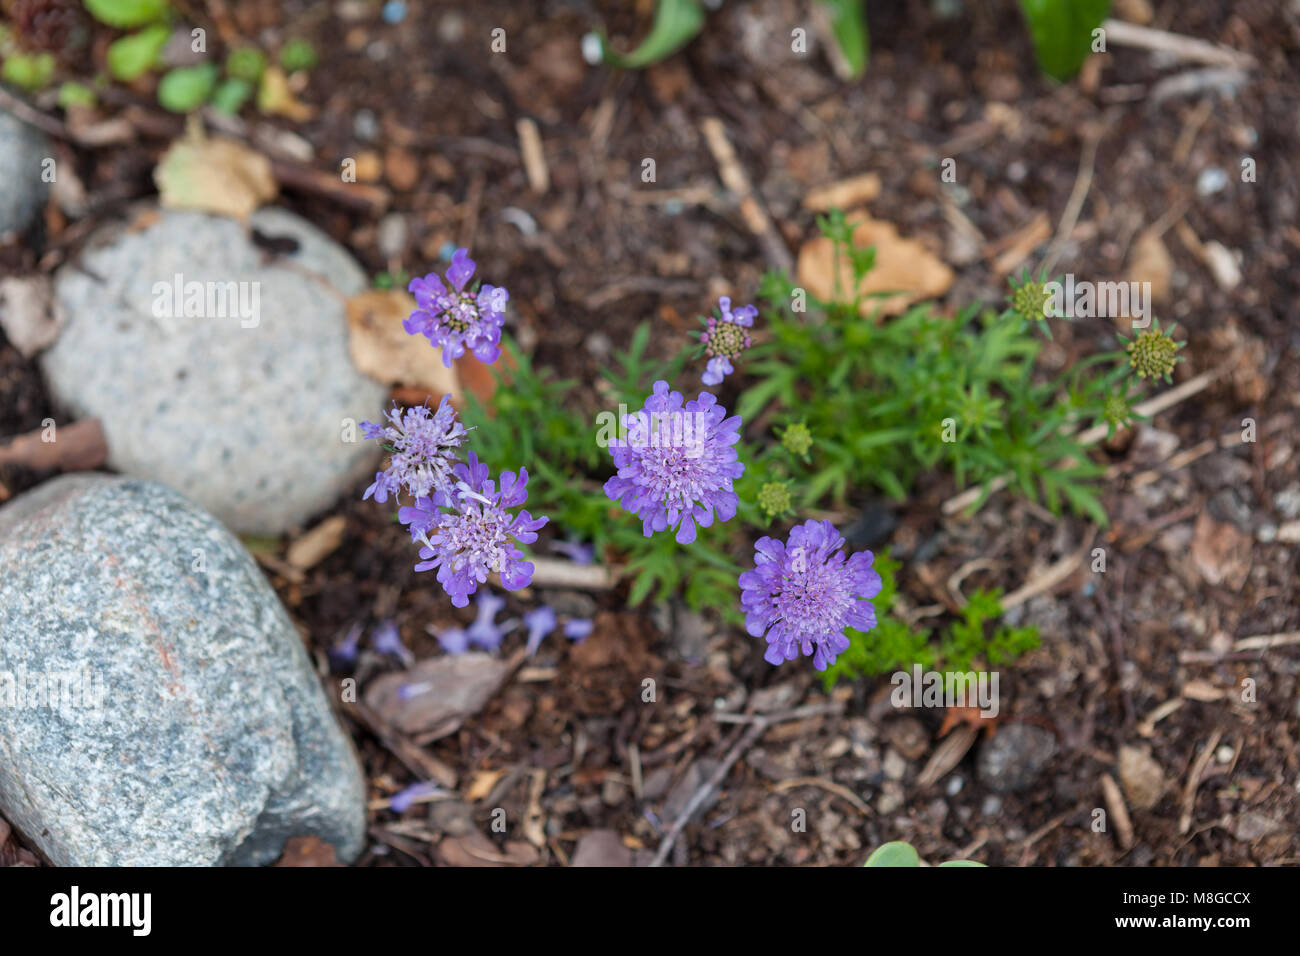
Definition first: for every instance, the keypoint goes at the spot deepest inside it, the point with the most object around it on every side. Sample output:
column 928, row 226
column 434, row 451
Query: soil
column 1147, row 660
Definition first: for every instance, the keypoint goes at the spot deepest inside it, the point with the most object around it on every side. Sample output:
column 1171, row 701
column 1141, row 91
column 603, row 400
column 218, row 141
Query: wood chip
column 317, row 544
column 76, row 447
column 1118, row 812
column 845, row 194
column 530, row 144
column 947, row 755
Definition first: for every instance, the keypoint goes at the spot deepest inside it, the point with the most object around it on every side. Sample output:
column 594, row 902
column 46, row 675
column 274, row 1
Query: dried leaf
column 1220, row 552
column 214, row 174
column 440, row 693
column 903, row 266
column 29, row 313
column 275, row 97
column 317, row 544
column 384, row 350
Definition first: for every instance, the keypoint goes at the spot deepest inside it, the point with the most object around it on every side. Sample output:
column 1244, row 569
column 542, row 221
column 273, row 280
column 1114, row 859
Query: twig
column 697, row 799
column 1262, row 642
column 830, row 787
column 1048, row 579
column 1194, row 781
column 1118, row 811
column 736, row 179
column 553, row 573
column 1184, row 48
column 1082, row 183
column 530, row 145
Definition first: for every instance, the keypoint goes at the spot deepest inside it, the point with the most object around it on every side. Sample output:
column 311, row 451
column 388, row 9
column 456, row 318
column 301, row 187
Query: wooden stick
column 1182, row 47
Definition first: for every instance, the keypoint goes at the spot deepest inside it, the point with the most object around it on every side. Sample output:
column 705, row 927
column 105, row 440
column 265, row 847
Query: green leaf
column 30, row 72
column 960, row 863
column 1062, row 32
column 125, row 14
column 247, row 63
column 187, row 88
column 230, row 98
column 676, row 23
column 297, row 55
column 134, row 55
column 74, row 94
column 896, row 853
column 849, row 24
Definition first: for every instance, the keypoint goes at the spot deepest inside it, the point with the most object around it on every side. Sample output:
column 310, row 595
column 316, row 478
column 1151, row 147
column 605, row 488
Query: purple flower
column 401, row 801
column 469, row 533
column 454, row 640
column 577, row 629
column 344, row 654
column 725, row 339
column 455, row 319
column 424, row 450
column 576, row 551
column 676, row 466
column 804, row 594
column 385, row 640
column 540, row 621
column 484, row 631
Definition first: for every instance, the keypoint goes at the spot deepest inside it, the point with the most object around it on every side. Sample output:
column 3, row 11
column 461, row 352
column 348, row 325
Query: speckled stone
column 192, row 729
column 1012, row 759
column 246, row 413
column 22, row 190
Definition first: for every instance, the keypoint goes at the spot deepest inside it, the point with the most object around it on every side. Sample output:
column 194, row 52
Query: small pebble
column 1211, row 180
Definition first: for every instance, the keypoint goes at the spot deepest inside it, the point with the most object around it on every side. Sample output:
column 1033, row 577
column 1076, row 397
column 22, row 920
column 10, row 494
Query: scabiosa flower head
column 469, row 532
column 804, row 593
column 1154, row 353
column 797, row 439
column 1030, row 300
column 677, row 465
column 774, row 498
column 725, row 339
column 424, row 449
column 540, row 622
column 455, row 318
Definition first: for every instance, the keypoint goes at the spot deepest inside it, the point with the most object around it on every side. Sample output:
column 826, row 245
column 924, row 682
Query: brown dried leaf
column 1220, row 552
column 214, row 174
column 307, row 851
column 384, row 350
column 450, row 689
column 903, row 266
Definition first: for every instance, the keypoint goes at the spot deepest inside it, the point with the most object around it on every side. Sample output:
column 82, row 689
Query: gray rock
column 1012, row 760
column 22, row 190
column 189, row 727
column 245, row 410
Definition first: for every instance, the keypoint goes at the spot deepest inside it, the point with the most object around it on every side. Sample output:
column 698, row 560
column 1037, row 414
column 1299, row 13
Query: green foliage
column 898, row 853
column 126, row 14
column 231, row 95
column 887, row 401
column 187, row 88
column 28, row 71
column 135, row 54
column 75, row 94
column 676, row 23
column 849, row 24
column 1062, row 32
column 246, row 63
column 297, row 55
column 972, row 641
